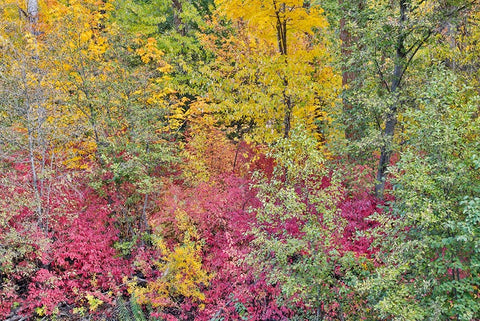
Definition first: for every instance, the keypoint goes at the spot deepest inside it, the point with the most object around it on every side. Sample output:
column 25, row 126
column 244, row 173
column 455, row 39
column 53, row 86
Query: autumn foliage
column 201, row 160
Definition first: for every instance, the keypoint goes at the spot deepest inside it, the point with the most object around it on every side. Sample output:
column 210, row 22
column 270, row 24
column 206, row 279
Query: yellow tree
column 79, row 39
column 182, row 273
column 26, row 130
column 113, row 85
column 80, row 90
column 115, row 94
column 50, row 46
column 274, row 71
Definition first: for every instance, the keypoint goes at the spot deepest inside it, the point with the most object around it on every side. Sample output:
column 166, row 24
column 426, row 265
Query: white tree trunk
column 32, row 10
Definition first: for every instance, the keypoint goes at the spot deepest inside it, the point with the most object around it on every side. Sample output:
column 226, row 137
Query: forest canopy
column 217, row 160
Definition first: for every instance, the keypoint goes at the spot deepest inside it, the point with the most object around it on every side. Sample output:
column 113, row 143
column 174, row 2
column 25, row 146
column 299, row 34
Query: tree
column 273, row 71
column 394, row 36
column 27, row 129
column 350, row 18
column 298, row 228
column 175, row 24
column 429, row 255
column 32, row 11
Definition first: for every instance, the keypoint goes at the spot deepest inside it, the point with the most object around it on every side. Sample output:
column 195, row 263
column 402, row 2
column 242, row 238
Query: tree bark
column 287, row 117
column 391, row 119
column 32, row 11
column 281, row 27
column 177, row 21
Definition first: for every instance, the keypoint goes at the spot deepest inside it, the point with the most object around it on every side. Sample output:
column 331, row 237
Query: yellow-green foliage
column 181, row 271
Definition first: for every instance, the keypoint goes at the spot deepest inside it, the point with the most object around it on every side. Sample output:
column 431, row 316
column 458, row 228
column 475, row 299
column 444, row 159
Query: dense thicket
column 239, row 160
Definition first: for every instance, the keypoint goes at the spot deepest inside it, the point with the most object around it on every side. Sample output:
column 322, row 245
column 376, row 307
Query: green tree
column 176, row 25
column 298, row 234
column 394, row 39
column 429, row 249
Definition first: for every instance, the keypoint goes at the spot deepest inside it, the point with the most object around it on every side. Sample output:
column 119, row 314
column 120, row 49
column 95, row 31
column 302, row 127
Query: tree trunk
column 286, row 119
column 35, row 117
column 391, row 119
column 281, row 27
column 32, row 11
column 32, row 16
column 177, row 21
